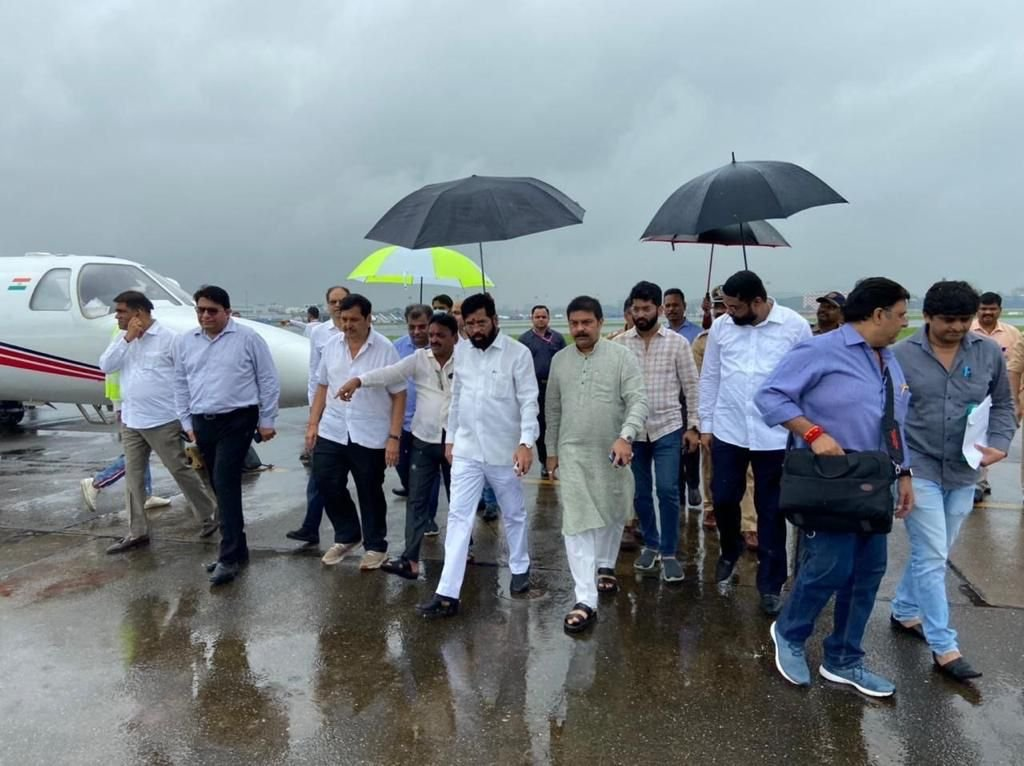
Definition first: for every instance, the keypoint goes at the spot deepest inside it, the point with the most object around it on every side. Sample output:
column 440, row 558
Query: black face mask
column 485, row 343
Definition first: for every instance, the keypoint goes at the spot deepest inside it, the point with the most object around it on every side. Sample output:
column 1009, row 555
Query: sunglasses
column 211, row 310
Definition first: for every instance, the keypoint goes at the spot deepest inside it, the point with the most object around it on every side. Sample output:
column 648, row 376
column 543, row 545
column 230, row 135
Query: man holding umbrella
column 743, row 348
column 492, row 427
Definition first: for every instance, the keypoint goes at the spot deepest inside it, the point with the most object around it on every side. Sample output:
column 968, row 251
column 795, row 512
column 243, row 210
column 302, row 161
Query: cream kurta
column 591, row 401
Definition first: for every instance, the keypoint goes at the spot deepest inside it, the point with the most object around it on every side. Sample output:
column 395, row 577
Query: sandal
column 607, row 583
column 439, row 606
column 580, row 618
column 400, row 567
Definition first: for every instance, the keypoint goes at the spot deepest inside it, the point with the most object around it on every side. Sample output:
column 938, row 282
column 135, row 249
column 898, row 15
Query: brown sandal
column 607, row 583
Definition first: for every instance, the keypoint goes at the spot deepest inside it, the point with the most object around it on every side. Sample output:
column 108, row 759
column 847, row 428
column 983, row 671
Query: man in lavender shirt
column 830, row 392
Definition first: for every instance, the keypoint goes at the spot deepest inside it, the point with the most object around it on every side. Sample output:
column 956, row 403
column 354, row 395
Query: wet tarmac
column 133, row 659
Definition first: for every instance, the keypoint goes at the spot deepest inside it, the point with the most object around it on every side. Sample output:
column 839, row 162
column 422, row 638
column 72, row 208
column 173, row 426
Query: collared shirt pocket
column 500, row 385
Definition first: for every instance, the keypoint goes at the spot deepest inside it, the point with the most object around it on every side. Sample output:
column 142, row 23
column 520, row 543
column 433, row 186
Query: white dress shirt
column 737, row 360
column 318, row 338
column 494, row 401
column 146, row 365
column 231, row 371
column 433, row 390
column 366, row 419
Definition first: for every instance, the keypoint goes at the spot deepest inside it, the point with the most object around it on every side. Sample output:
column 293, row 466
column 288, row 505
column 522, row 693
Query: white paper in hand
column 976, row 432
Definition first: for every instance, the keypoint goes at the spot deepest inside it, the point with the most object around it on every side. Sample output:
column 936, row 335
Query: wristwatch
column 904, row 472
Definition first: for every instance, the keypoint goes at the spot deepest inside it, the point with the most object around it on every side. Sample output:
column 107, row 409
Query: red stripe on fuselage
column 23, row 361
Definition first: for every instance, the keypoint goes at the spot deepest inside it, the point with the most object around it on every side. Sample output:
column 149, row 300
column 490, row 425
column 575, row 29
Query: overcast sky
column 252, row 144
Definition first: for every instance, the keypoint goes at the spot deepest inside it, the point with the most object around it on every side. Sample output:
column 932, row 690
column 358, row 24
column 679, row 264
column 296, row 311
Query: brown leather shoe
column 709, row 520
column 750, row 538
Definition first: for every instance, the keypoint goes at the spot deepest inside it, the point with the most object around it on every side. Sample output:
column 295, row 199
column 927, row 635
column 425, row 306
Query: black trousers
column 426, row 460
column 728, row 485
column 223, row 441
column 542, row 448
column 404, row 457
column 332, row 464
column 689, row 467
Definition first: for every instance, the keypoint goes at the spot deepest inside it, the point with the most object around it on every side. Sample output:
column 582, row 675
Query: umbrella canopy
column 737, row 193
column 394, row 265
column 475, row 209
column 757, row 233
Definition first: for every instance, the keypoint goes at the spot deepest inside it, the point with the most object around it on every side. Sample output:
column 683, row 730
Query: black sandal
column 439, row 606
column 589, row 618
column 400, row 567
column 607, row 582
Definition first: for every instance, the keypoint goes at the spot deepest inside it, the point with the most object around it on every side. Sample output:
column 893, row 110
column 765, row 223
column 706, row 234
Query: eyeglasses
column 211, row 310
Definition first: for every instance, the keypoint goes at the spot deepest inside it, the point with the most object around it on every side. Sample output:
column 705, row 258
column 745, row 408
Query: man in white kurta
column 596, row 405
column 492, row 427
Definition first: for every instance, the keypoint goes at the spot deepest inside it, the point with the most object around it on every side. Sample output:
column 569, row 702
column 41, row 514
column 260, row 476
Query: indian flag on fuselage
column 19, row 284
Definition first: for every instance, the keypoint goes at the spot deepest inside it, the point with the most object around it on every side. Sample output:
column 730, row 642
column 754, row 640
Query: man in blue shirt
column 950, row 371
column 543, row 343
column 829, row 392
column 674, row 305
column 225, row 389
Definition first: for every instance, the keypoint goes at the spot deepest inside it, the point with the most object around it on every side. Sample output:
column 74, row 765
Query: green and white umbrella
column 395, row 265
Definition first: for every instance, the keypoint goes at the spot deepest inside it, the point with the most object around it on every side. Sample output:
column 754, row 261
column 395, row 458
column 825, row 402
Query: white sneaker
column 155, row 501
column 89, row 494
column 372, row 560
column 338, row 551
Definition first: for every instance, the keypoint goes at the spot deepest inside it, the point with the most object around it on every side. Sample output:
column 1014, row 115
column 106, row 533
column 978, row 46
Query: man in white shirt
column 743, row 348
column 431, row 371
column 492, row 427
column 143, row 354
column 360, row 436
column 309, row 531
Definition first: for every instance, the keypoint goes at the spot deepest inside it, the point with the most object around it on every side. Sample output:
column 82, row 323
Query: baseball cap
column 717, row 296
column 835, row 298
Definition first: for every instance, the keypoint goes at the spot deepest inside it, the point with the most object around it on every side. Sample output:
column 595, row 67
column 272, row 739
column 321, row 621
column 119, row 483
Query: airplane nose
column 291, row 357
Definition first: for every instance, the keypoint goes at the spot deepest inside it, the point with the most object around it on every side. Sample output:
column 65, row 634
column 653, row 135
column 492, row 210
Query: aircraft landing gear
column 11, row 413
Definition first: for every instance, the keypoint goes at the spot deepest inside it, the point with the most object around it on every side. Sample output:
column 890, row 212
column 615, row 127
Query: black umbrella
column 735, row 194
column 754, row 233
column 475, row 209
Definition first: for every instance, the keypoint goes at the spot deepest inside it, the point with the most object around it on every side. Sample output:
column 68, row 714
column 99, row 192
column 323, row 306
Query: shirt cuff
column 1000, row 443
column 705, row 425
column 186, row 424
column 267, row 422
column 781, row 414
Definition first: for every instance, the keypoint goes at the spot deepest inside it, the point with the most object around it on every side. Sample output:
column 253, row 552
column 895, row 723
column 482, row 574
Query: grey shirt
column 940, row 401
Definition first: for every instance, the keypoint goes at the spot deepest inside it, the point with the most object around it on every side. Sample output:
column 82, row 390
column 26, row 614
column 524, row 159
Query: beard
column 644, row 324
column 745, row 320
column 485, row 342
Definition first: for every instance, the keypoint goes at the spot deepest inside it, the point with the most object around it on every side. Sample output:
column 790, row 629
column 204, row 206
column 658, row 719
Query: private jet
column 56, row 318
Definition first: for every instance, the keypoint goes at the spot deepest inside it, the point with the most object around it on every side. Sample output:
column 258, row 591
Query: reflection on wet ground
column 133, row 659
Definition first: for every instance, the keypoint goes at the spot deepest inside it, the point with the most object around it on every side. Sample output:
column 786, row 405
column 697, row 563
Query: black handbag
column 844, row 493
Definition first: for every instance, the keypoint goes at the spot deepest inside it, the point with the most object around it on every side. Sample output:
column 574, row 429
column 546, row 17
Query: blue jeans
column 932, row 526
column 114, row 472
column 848, row 565
column 314, row 507
column 488, row 496
column 664, row 455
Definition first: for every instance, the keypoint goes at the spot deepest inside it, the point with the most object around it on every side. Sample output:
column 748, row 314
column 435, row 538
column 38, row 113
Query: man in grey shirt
column 950, row 371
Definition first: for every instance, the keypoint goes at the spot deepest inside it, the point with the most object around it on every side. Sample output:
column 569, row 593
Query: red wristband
column 813, row 433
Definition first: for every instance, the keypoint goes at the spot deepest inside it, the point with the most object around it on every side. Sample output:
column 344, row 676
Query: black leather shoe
column 724, row 569
column 916, row 631
column 213, row 565
column 959, row 669
column 127, row 543
column 224, row 573
column 520, row 583
column 771, row 604
column 439, row 606
column 303, row 536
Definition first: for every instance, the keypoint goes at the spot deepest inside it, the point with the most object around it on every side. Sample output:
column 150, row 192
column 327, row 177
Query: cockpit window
column 100, row 283
column 53, row 292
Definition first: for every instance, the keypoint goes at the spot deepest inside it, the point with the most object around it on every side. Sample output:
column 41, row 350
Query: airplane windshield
column 99, row 283
column 174, row 287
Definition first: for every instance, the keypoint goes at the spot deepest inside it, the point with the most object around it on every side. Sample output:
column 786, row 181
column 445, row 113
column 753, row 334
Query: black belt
column 229, row 413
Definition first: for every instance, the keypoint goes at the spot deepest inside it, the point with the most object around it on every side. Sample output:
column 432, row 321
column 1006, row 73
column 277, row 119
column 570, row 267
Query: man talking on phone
column 492, row 427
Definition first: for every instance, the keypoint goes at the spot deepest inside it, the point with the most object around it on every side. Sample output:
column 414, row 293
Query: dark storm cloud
column 253, row 144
